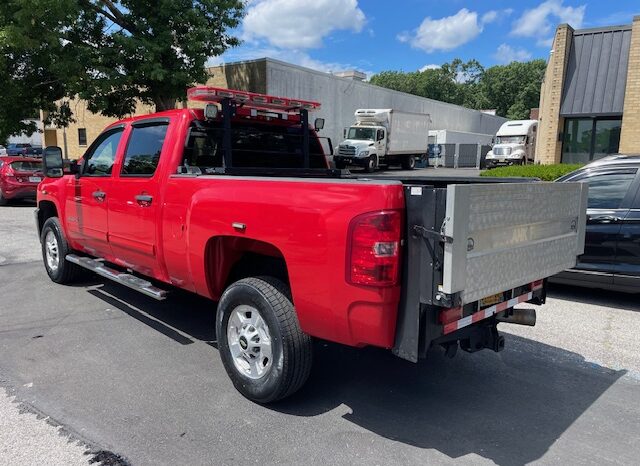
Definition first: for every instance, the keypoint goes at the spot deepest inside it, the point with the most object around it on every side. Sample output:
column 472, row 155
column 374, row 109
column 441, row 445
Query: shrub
column 544, row 172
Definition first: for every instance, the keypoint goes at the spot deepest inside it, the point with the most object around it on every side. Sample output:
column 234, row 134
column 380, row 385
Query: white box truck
column 384, row 137
column 515, row 144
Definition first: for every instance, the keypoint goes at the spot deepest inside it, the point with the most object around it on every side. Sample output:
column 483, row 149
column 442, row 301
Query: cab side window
column 99, row 159
column 143, row 149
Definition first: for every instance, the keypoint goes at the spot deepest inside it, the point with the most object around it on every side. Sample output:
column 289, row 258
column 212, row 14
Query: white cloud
column 538, row 22
column 431, row 66
column 507, row 54
column 297, row 24
column 449, row 32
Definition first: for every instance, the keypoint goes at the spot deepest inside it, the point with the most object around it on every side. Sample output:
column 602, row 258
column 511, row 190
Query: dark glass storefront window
column 587, row 139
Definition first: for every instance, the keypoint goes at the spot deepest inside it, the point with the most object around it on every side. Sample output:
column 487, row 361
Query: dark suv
column 611, row 256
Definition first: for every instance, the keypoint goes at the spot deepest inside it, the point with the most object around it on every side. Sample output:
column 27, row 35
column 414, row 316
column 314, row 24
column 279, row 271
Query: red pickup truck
column 236, row 202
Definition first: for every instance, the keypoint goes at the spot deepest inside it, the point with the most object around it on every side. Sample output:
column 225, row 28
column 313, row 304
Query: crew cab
column 236, row 202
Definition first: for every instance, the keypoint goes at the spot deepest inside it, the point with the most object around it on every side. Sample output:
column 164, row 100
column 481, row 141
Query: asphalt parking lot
column 109, row 369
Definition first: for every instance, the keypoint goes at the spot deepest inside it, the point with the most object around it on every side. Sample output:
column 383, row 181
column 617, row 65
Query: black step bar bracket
column 135, row 283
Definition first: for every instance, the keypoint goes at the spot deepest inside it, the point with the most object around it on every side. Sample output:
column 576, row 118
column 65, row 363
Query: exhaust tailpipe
column 520, row 317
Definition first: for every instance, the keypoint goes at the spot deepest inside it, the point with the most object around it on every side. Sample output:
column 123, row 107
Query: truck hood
column 357, row 143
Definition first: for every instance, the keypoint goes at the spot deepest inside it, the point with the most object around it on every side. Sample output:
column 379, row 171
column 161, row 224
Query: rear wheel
column 409, row 163
column 3, row 200
column 54, row 251
column 263, row 349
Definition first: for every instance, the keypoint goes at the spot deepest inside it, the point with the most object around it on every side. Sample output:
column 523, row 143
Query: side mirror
column 71, row 167
column 318, row 124
column 344, row 132
column 52, row 163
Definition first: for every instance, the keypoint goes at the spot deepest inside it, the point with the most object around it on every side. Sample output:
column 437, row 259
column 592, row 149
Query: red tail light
column 373, row 254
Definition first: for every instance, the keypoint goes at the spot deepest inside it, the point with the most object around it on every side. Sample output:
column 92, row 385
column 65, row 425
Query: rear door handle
column 99, row 195
column 144, row 200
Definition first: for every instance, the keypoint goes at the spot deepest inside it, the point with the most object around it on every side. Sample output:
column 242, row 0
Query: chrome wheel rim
column 51, row 251
column 249, row 342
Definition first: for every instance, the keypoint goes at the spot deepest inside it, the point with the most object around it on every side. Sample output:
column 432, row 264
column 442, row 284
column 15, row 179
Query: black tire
column 3, row 200
column 372, row 164
column 340, row 165
column 409, row 163
column 66, row 272
column 291, row 348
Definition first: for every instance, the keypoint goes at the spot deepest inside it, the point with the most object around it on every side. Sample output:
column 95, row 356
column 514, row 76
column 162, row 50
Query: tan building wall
column 548, row 146
column 630, row 131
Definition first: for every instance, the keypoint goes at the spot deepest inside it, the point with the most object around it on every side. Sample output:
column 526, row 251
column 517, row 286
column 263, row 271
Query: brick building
column 590, row 96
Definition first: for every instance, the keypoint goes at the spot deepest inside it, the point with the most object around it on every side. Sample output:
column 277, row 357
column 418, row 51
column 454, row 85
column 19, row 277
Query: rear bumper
column 19, row 191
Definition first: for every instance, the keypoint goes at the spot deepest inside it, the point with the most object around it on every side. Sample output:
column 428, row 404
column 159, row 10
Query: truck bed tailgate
column 500, row 236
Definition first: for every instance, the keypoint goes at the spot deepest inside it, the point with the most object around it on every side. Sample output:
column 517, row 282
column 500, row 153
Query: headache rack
column 229, row 101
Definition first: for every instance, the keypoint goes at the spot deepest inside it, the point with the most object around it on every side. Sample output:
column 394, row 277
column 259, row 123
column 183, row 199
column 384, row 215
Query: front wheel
column 372, row 164
column 409, row 163
column 54, row 251
column 263, row 349
column 340, row 165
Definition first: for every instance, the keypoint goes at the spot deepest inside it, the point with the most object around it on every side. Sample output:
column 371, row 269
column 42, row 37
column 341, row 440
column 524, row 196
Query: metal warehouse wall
column 340, row 97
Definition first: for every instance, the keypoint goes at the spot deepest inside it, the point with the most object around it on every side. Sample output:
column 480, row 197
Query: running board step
column 126, row 279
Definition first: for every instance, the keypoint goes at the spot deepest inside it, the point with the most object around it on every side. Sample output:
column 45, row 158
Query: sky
column 409, row 35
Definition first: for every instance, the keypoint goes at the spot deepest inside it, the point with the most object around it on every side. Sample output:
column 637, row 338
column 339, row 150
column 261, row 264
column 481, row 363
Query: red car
column 19, row 178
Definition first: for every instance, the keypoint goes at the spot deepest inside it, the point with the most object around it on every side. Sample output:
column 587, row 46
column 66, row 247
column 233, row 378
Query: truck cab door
column 627, row 262
column 87, row 198
column 381, row 142
column 134, row 204
column 608, row 206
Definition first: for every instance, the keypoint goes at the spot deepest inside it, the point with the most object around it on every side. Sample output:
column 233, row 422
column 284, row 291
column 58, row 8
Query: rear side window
column 144, row 148
column 608, row 190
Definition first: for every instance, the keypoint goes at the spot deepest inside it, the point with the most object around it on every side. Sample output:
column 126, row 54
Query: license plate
column 491, row 300
column 35, row 179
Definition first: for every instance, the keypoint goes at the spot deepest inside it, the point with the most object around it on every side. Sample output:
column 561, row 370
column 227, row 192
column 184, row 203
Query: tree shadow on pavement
column 509, row 407
column 595, row 296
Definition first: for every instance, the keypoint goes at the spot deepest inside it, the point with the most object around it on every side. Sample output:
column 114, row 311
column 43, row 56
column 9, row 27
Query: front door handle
column 603, row 219
column 99, row 195
column 144, row 200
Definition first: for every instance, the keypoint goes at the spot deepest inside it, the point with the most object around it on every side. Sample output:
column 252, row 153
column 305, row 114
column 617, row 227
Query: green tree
column 112, row 53
column 511, row 89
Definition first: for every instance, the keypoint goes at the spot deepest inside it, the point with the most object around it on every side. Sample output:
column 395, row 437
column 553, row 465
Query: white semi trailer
column 384, row 137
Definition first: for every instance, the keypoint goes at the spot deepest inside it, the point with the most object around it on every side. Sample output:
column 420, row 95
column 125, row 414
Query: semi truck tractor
column 515, row 144
column 384, row 137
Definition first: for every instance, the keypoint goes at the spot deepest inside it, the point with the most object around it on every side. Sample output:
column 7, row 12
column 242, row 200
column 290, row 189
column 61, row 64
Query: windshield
column 361, row 133
column 510, row 139
column 26, row 166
